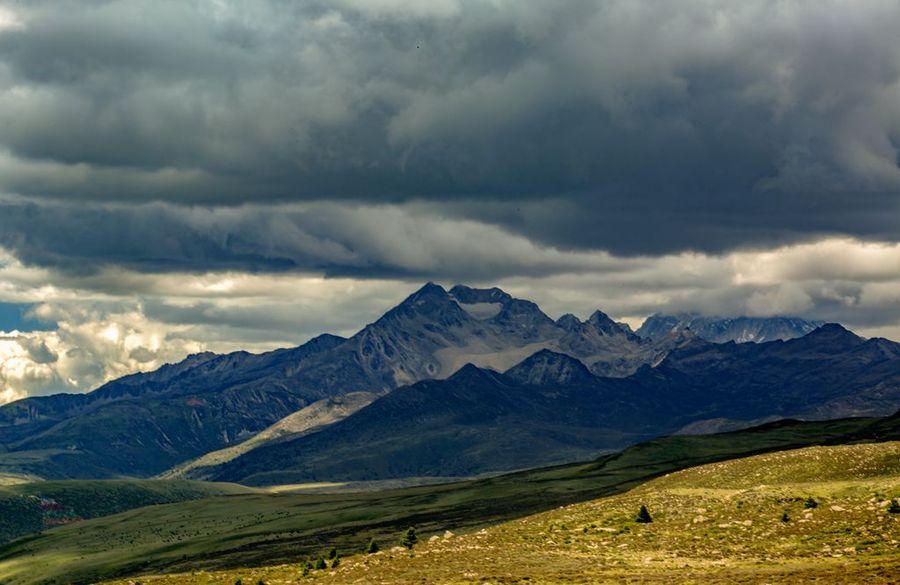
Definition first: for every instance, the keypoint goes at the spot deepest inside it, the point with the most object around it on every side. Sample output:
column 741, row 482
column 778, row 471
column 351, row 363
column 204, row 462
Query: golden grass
column 718, row 523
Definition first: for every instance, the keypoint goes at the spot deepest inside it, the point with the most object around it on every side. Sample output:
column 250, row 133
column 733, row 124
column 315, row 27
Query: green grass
column 264, row 528
column 30, row 507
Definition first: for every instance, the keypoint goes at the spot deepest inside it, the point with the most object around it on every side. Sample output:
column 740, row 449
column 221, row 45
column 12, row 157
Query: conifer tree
column 643, row 516
column 409, row 539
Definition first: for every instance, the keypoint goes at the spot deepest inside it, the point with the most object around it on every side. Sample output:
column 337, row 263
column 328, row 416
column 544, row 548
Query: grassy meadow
column 815, row 515
column 265, row 529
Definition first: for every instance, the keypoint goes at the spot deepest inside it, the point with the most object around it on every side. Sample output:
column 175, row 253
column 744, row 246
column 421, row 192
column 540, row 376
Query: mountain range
column 724, row 329
column 550, row 408
column 426, row 396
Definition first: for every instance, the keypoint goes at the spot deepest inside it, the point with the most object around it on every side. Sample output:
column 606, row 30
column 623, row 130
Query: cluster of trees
column 332, row 559
column 409, row 540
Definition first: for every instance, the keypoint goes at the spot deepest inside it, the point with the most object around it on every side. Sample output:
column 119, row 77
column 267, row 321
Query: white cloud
column 87, row 349
column 834, row 259
column 116, row 321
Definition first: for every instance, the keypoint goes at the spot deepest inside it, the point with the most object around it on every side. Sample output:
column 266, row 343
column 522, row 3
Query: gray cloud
column 337, row 240
column 178, row 176
column 636, row 127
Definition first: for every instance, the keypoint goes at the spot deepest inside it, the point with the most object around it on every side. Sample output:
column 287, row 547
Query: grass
column 31, row 507
column 269, row 528
column 718, row 523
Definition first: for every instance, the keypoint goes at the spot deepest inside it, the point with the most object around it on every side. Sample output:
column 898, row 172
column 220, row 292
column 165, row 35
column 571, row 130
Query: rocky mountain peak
column 831, row 336
column 469, row 295
column 601, row 322
column 428, row 290
column 550, row 368
column 569, row 322
column 472, row 374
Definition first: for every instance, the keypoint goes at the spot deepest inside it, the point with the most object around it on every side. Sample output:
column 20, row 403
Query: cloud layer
column 113, row 320
column 224, row 174
column 702, row 125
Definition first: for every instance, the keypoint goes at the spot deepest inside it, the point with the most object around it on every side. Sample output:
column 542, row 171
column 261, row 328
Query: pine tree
column 643, row 516
column 410, row 539
column 810, row 503
column 373, row 547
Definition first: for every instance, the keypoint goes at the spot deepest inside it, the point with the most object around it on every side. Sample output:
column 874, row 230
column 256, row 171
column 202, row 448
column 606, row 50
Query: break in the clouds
column 178, row 176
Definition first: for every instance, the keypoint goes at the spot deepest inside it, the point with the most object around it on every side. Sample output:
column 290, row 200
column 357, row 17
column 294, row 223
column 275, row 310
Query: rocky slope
column 303, row 422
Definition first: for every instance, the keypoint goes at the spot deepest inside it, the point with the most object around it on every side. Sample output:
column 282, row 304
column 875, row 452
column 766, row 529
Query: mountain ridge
column 144, row 424
column 718, row 329
column 550, row 409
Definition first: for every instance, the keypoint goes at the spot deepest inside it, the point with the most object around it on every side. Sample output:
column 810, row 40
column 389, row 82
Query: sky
column 179, row 176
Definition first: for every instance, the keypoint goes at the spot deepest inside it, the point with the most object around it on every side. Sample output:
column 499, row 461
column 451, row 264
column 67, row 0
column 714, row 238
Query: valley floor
column 718, row 523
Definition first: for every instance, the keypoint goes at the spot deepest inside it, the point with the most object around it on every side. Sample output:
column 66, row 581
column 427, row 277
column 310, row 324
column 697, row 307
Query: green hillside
column 31, row 507
column 264, row 529
column 740, row 521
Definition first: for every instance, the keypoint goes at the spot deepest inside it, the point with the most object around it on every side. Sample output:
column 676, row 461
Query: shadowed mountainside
column 550, row 409
column 143, row 424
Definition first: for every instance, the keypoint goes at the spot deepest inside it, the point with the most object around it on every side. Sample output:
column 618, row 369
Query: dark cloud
column 637, row 127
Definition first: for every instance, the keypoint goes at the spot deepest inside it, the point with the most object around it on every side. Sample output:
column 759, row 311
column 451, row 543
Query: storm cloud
column 628, row 126
column 179, row 176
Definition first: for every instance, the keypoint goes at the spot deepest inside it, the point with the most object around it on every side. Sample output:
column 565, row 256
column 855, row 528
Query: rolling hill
column 718, row 523
column 265, row 529
column 32, row 507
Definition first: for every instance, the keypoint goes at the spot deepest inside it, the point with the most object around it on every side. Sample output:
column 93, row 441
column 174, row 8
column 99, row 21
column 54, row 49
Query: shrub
column 894, row 508
column 810, row 503
column 373, row 547
column 409, row 539
column 335, row 562
column 321, row 564
column 785, row 517
column 239, row 582
column 332, row 554
column 643, row 516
